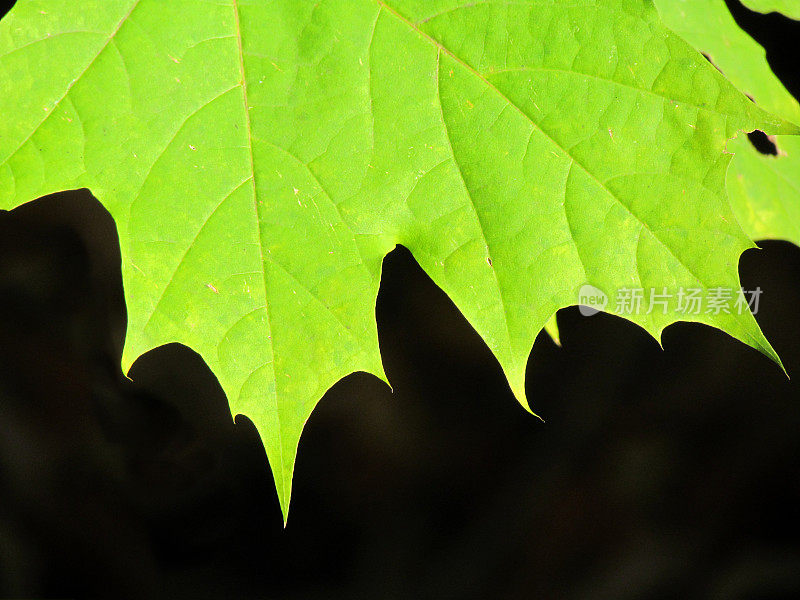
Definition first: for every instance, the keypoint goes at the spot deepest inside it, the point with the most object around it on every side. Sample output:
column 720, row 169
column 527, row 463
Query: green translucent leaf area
column 551, row 327
column 260, row 158
column 790, row 8
column 764, row 190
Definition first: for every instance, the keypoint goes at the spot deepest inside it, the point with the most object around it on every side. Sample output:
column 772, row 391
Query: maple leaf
column 790, row 8
column 764, row 190
column 261, row 158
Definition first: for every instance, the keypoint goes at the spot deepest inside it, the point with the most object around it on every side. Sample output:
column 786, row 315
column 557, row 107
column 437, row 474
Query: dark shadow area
column 764, row 143
column 658, row 474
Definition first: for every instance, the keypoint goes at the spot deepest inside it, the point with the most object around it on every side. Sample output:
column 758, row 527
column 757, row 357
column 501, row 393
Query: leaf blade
column 258, row 180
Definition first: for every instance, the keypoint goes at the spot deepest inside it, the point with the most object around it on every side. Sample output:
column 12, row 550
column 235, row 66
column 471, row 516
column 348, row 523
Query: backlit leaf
column 764, row 190
column 260, row 158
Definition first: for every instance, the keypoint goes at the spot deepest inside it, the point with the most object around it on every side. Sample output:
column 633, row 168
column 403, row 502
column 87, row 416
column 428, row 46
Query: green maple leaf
column 790, row 8
column 261, row 158
column 764, row 190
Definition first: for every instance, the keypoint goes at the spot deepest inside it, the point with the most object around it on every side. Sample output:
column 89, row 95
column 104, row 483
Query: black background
column 659, row 474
